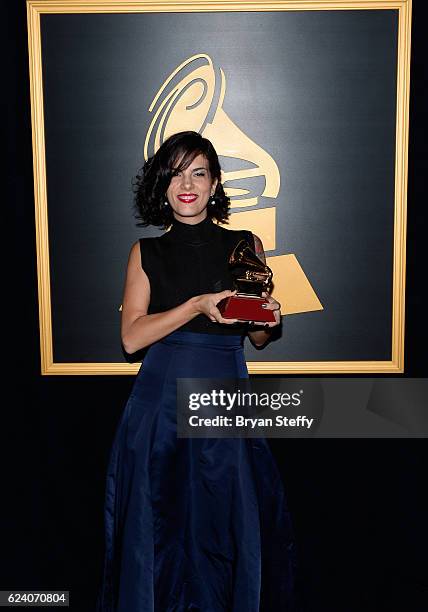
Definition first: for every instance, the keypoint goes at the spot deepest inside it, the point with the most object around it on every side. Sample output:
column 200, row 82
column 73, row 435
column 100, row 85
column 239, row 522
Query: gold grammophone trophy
column 250, row 277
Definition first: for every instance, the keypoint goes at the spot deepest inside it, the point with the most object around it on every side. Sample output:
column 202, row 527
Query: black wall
column 358, row 507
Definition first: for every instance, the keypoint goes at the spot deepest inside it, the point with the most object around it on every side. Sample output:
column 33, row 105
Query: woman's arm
column 261, row 336
column 139, row 329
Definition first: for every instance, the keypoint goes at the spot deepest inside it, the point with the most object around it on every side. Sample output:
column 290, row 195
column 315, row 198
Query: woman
column 191, row 524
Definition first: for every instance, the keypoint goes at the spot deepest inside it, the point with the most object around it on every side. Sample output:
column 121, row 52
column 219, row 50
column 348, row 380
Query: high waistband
column 183, row 337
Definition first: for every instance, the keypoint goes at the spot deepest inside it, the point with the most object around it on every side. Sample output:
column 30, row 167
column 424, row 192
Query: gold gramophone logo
column 191, row 98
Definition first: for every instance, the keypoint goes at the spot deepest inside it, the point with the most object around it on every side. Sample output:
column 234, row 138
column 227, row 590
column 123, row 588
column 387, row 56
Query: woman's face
column 189, row 191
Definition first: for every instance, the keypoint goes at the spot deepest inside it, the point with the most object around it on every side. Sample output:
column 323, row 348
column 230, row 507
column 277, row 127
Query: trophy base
column 245, row 308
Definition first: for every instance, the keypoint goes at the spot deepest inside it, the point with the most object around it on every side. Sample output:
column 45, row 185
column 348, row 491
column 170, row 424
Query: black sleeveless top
column 191, row 260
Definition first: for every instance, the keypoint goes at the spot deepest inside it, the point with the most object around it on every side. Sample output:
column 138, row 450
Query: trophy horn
column 255, row 271
column 244, row 255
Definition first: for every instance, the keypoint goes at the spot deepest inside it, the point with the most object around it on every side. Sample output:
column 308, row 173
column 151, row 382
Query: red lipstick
column 187, row 198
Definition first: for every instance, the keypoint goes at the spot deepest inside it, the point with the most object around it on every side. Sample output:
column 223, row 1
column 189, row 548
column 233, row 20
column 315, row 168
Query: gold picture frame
column 404, row 8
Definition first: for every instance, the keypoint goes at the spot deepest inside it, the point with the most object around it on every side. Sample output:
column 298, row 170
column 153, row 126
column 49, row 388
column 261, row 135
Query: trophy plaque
column 250, row 277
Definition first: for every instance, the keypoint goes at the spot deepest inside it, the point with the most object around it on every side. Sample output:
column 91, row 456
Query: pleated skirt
column 192, row 525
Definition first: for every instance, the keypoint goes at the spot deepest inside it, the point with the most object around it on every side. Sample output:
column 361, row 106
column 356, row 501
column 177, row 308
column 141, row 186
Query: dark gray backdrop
column 318, row 89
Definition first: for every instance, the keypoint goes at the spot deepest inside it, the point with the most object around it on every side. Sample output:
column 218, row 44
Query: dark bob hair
column 153, row 179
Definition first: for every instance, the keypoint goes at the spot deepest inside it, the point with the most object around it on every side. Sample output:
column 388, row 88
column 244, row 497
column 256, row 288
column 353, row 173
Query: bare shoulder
column 135, row 252
column 137, row 287
column 135, row 256
column 135, row 268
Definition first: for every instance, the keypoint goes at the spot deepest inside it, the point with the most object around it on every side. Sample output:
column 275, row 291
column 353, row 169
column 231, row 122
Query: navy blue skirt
column 192, row 525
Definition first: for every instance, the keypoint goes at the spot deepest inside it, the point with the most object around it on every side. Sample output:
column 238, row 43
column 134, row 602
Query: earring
column 166, row 203
column 212, row 201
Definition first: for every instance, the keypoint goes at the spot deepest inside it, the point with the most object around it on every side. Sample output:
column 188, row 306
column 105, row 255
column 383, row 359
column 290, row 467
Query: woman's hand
column 271, row 305
column 259, row 337
column 207, row 305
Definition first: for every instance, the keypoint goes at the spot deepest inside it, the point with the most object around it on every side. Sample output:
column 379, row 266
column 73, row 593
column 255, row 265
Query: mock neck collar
column 199, row 233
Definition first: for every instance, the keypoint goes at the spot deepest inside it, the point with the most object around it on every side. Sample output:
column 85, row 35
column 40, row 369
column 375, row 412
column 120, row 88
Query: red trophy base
column 245, row 308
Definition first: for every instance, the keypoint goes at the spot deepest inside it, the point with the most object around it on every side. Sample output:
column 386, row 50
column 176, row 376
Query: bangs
column 184, row 158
